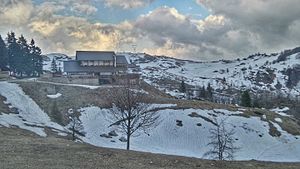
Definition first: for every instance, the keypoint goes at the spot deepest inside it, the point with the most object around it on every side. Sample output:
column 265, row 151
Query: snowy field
column 190, row 139
column 238, row 73
column 30, row 116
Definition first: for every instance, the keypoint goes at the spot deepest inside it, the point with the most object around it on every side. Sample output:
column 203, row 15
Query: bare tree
column 222, row 142
column 75, row 126
column 131, row 112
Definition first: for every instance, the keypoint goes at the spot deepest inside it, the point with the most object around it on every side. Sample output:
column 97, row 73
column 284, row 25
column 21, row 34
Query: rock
column 123, row 139
column 179, row 123
column 199, row 124
column 105, row 135
column 194, row 114
column 113, row 134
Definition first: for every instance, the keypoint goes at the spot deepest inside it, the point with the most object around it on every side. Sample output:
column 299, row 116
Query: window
column 84, row 63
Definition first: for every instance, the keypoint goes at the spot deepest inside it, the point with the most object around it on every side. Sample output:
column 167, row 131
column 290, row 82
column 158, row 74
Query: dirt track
column 23, row 150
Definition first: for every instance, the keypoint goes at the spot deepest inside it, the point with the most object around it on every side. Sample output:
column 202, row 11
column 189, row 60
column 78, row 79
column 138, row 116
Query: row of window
column 97, row 63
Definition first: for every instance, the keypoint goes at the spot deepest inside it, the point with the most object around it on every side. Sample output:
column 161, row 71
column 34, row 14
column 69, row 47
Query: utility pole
column 134, row 46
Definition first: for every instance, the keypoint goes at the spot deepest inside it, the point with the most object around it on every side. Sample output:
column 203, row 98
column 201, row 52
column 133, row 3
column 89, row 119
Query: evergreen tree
column 23, row 58
column 182, row 88
column 3, row 54
column 209, row 94
column 246, row 99
column 37, row 60
column 12, row 50
column 202, row 93
column 24, row 62
column 53, row 66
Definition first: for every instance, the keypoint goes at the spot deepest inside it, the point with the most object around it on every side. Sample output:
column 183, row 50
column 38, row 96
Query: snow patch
column 191, row 139
column 30, row 116
column 278, row 120
column 281, row 111
column 55, row 96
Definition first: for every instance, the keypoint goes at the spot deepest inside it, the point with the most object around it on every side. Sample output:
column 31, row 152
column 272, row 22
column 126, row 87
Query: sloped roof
column 95, row 55
column 121, row 59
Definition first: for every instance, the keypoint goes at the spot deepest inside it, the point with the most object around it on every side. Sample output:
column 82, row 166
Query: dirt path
column 23, row 150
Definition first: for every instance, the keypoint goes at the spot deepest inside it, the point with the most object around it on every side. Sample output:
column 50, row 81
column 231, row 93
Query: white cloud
column 178, row 35
column 234, row 27
column 127, row 4
column 84, row 8
column 15, row 12
column 266, row 24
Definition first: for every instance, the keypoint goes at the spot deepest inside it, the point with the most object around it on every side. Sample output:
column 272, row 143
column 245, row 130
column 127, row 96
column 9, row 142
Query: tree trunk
column 128, row 142
column 73, row 134
column 128, row 130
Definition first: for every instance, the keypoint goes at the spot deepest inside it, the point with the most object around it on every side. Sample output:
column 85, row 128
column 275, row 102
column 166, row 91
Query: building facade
column 106, row 66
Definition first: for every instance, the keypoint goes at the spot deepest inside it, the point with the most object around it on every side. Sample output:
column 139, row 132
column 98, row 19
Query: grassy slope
column 76, row 97
column 21, row 149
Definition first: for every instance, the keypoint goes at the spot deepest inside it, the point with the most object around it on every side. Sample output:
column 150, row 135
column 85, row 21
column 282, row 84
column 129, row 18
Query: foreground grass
column 23, row 150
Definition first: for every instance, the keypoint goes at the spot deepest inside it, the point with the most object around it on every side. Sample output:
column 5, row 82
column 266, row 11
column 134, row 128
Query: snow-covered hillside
column 29, row 115
column 59, row 58
column 189, row 139
column 257, row 72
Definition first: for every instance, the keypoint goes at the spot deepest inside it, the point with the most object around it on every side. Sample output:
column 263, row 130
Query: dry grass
column 289, row 124
column 72, row 97
column 23, row 150
column 77, row 97
column 3, row 107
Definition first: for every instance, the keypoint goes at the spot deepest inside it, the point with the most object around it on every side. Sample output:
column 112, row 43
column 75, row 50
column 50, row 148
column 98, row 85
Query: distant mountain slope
column 275, row 73
column 278, row 73
column 58, row 57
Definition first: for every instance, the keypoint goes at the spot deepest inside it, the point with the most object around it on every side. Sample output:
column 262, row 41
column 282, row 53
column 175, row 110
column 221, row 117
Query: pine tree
column 246, row 99
column 53, row 66
column 202, row 93
column 23, row 58
column 37, row 59
column 182, row 88
column 24, row 63
column 3, row 54
column 209, row 94
column 12, row 50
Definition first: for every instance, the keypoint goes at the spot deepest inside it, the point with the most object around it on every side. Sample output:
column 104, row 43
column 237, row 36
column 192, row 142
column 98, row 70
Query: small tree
column 182, row 88
column 202, row 93
column 222, row 142
column 75, row 126
column 3, row 54
column 209, row 94
column 130, row 112
column 53, row 66
column 246, row 99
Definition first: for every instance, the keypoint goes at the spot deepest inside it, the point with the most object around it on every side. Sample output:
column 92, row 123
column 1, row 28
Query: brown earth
column 23, row 150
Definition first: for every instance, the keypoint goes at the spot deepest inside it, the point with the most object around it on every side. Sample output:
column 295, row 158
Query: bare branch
column 221, row 142
column 130, row 111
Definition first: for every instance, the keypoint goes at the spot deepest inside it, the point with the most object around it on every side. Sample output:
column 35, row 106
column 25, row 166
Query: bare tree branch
column 131, row 112
column 222, row 142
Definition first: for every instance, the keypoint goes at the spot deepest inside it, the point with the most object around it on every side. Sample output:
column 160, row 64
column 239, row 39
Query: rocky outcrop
column 293, row 76
column 283, row 56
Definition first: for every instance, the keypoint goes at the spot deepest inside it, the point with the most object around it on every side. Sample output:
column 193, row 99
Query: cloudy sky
column 189, row 29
